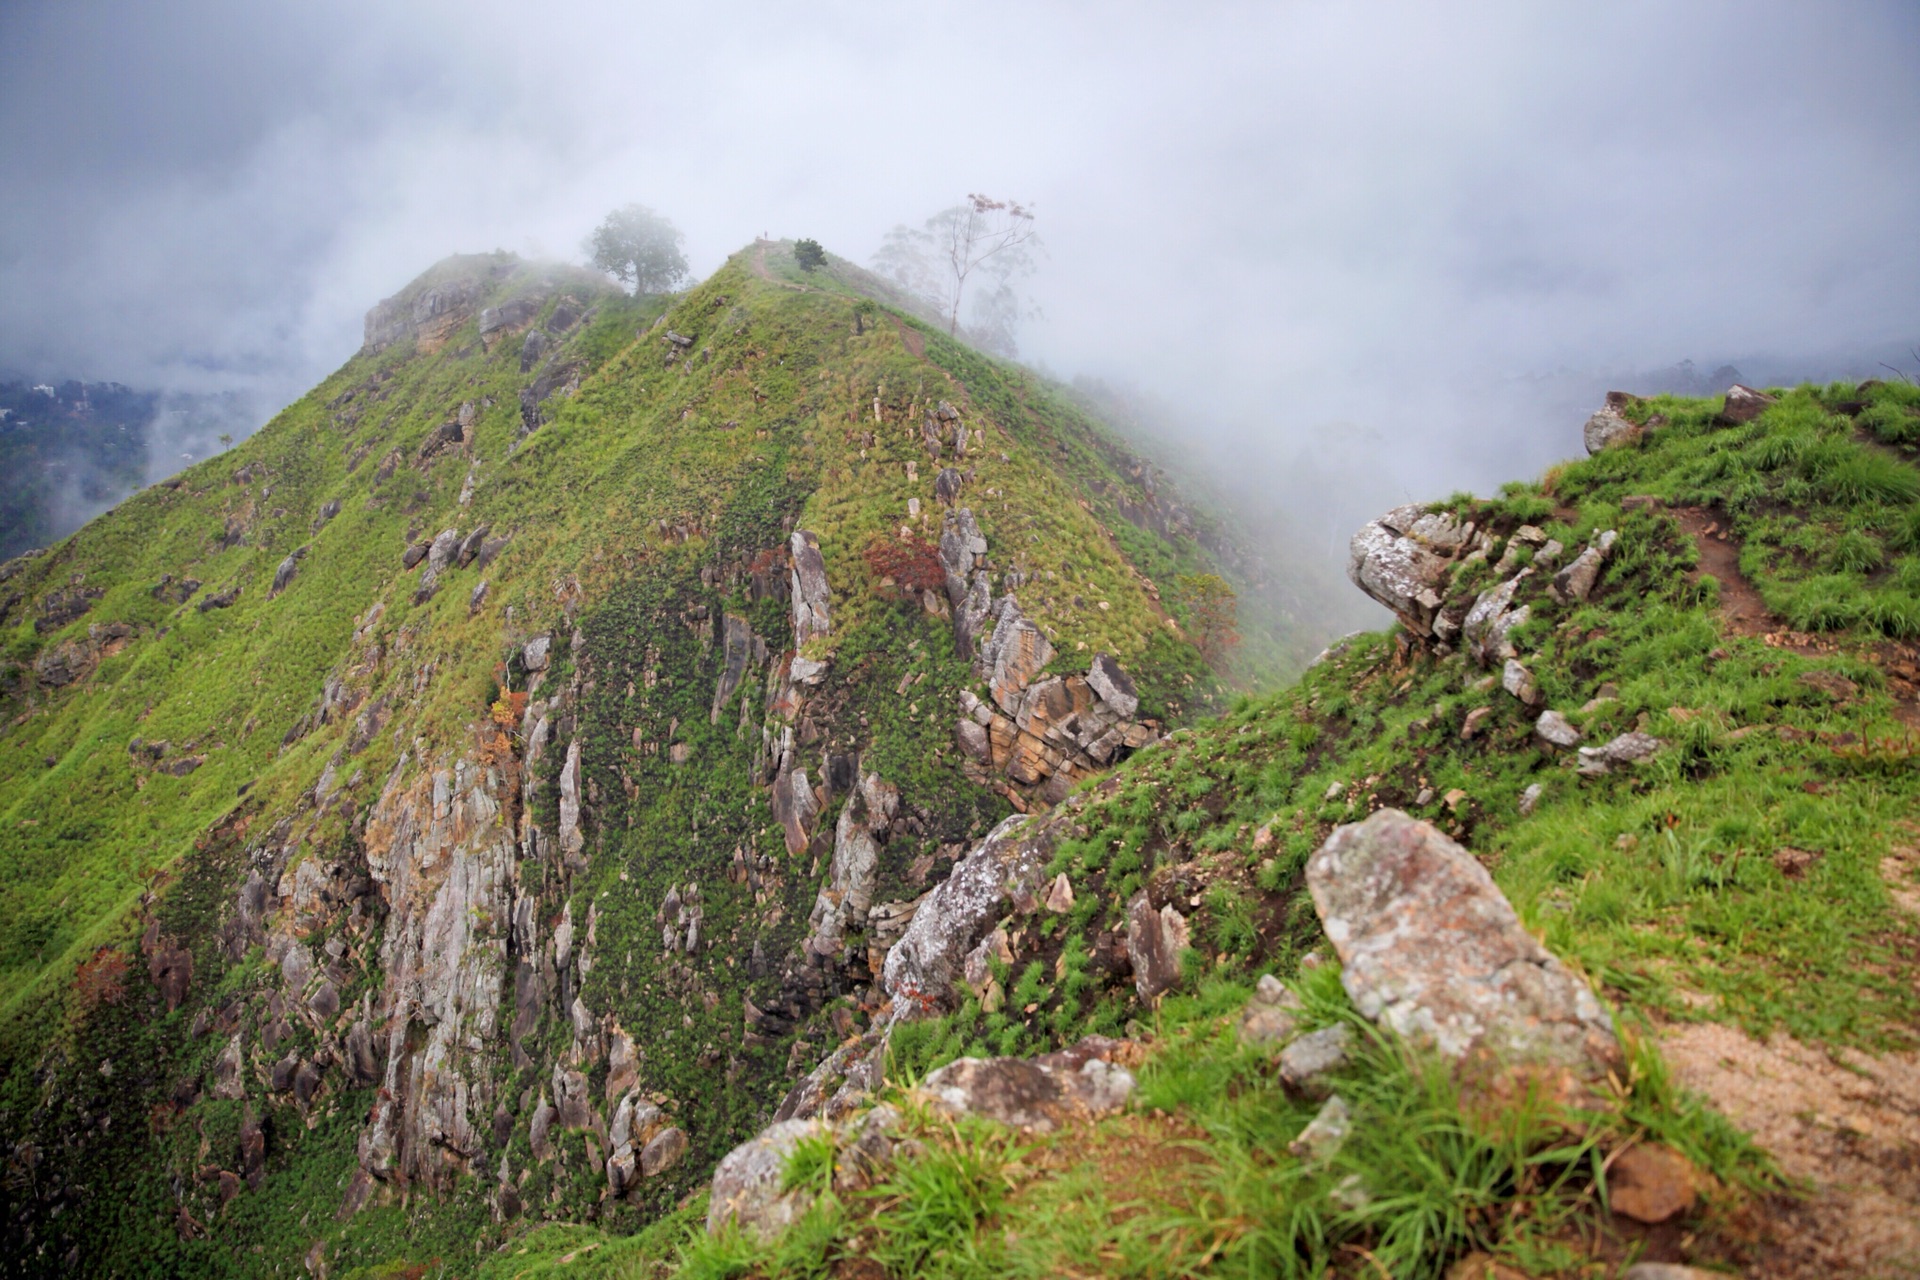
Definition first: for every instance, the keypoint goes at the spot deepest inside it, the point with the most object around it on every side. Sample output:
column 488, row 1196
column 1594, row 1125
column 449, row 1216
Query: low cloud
column 1356, row 251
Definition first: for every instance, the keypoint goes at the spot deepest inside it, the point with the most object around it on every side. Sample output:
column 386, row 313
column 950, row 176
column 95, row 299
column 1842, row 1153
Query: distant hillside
column 70, row 450
column 479, row 748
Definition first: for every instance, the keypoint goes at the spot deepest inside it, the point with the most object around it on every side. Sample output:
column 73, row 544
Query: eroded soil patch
column 1847, row 1123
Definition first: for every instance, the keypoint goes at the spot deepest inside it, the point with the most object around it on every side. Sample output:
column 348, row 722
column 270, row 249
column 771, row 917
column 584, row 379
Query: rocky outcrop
column 443, row 854
column 1744, row 404
column 1431, row 948
column 747, row 1185
column 1007, row 867
column 811, row 595
column 1037, row 1095
column 845, row 899
column 1044, row 737
column 1155, row 939
column 1402, row 558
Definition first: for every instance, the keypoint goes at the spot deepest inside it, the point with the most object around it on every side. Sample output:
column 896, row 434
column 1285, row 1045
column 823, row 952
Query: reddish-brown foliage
column 912, row 562
column 101, row 979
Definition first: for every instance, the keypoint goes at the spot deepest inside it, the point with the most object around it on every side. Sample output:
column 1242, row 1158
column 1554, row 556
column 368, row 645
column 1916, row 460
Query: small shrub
column 100, row 979
column 1854, row 552
column 912, row 562
column 1890, row 424
column 1857, row 476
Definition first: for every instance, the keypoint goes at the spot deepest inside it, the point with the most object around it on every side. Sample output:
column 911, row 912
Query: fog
column 1353, row 253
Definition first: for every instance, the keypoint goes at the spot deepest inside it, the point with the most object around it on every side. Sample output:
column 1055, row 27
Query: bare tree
column 993, row 238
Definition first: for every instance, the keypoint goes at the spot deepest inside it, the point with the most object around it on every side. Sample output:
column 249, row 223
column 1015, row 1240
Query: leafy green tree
column 638, row 247
column 809, row 255
column 1213, row 614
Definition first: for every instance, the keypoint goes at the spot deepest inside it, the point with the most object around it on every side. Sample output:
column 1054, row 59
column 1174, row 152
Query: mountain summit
column 521, row 754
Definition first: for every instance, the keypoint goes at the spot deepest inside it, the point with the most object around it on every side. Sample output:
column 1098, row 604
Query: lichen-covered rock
column 1553, row 729
column 1744, row 404
column 1628, row 748
column 1038, row 1094
column 811, row 595
column 1155, row 939
column 746, row 1183
column 1607, row 429
column 1430, row 947
column 931, row 955
column 1401, row 560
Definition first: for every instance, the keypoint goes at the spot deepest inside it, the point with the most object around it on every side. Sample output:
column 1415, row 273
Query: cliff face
column 492, row 787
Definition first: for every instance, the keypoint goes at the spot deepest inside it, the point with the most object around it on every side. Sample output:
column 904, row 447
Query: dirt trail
column 910, row 336
column 1745, row 613
column 1847, row 1123
column 1741, row 607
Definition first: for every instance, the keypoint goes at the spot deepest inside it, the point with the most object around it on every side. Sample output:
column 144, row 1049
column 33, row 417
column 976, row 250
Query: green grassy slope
column 157, row 752
column 1746, row 874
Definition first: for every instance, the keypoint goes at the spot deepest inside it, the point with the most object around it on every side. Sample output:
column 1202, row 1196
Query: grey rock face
column 1744, row 404
column 923, row 966
column 746, row 1183
column 1628, row 748
column 740, row 649
column 843, row 901
column 1325, row 1134
column 1552, row 728
column 535, row 654
column 1305, row 1063
column 283, row 575
column 1400, row 560
column 1431, row 948
column 663, row 1152
column 572, row 840
column 1114, row 686
column 1606, row 430
column 227, row 1079
column 1038, row 1094
column 1519, row 682
column 1155, row 940
column 1529, row 799
column 445, row 545
column 811, row 594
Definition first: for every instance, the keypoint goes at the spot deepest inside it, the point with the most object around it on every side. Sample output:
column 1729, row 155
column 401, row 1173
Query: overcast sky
column 1275, row 217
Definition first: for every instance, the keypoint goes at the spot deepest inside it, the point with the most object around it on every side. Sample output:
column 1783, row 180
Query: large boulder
column 747, row 1183
column 1608, row 429
column 1744, row 404
column 1401, row 560
column 1010, row 864
column 1431, row 948
column 811, row 594
column 1038, row 1094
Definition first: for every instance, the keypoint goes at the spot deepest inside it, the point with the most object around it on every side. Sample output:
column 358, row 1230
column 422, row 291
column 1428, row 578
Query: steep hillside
column 1666, row 695
column 482, row 792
